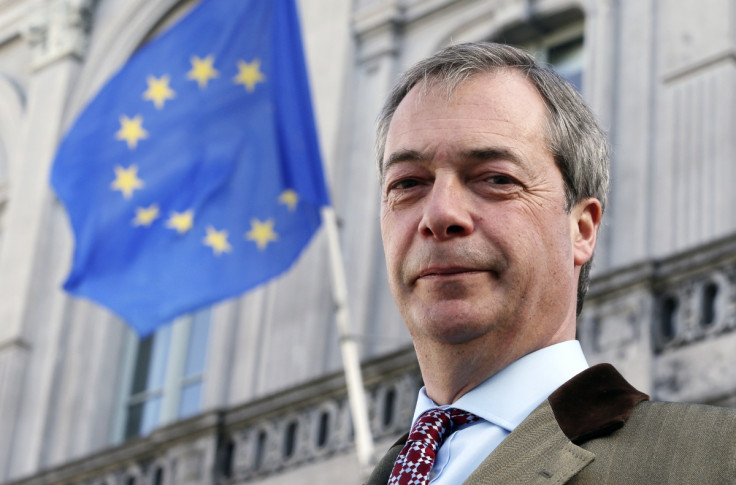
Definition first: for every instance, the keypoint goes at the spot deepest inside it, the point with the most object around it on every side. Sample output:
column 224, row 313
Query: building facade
column 251, row 390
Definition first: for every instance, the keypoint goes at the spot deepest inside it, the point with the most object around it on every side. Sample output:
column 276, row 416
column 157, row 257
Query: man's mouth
column 446, row 271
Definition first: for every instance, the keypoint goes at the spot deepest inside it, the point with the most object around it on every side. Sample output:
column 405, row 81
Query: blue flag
column 194, row 174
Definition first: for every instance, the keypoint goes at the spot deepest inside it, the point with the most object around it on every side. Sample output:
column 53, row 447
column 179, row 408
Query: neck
column 450, row 373
column 451, row 370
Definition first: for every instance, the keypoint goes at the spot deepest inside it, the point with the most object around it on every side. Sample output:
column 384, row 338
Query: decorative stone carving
column 696, row 308
column 617, row 325
column 393, row 405
column 59, row 28
column 683, row 299
column 316, row 431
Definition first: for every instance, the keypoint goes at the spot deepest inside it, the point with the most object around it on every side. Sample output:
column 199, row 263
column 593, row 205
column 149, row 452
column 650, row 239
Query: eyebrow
column 404, row 156
column 476, row 154
column 493, row 153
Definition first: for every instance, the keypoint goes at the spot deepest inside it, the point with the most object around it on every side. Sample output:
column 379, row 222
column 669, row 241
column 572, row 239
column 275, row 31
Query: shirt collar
column 508, row 397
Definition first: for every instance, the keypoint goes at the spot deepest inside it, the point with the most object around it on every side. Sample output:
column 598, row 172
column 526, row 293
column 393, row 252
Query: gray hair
column 577, row 143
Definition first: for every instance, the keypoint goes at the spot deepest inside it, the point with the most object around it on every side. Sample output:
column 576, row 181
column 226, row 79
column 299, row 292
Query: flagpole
column 348, row 345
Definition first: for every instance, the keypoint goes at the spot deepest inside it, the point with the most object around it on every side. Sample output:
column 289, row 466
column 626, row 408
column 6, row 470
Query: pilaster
column 56, row 49
column 634, row 83
column 56, row 33
column 599, row 84
column 377, row 27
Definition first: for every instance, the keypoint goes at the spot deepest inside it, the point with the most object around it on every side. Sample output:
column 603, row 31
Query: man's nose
column 447, row 212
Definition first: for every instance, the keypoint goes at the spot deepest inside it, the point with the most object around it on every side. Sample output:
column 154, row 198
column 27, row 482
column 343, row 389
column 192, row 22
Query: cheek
column 554, row 245
column 538, row 238
column 385, row 225
column 392, row 240
column 546, row 221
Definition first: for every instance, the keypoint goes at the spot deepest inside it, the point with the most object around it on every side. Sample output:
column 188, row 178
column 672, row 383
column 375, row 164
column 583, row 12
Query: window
column 567, row 59
column 708, row 310
column 668, row 319
column 167, row 375
column 557, row 41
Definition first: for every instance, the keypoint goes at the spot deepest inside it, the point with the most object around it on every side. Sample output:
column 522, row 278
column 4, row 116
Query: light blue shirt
column 502, row 402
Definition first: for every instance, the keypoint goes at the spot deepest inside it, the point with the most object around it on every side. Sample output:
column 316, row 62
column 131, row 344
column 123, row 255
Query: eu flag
column 194, row 174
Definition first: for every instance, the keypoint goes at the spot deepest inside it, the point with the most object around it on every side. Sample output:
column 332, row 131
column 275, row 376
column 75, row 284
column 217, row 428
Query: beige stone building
column 252, row 390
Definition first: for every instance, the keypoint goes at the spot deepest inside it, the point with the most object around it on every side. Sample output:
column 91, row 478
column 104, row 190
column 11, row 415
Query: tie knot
column 434, row 425
column 415, row 461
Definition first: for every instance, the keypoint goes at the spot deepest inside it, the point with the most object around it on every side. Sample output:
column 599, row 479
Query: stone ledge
column 317, row 390
column 128, row 454
column 681, row 265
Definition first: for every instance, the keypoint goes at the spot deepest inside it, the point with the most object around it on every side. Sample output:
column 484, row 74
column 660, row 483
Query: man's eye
column 500, row 179
column 404, row 184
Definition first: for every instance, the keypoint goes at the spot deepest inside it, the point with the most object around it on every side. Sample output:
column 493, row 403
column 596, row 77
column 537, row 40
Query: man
column 494, row 176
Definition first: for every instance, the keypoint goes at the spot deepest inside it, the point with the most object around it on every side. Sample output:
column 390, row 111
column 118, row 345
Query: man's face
column 477, row 239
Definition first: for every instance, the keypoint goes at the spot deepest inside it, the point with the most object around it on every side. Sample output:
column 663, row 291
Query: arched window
column 668, row 319
column 708, row 304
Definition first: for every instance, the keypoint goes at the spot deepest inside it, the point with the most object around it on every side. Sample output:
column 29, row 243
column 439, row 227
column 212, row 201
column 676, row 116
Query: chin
column 452, row 328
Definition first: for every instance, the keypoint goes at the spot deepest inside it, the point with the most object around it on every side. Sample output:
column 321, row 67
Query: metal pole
column 348, row 346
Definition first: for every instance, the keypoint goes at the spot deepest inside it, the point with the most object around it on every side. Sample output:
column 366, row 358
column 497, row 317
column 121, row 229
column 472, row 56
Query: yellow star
column 261, row 233
column 131, row 130
column 158, row 91
column 202, row 70
column 126, row 180
column 144, row 216
column 181, row 221
column 289, row 198
column 217, row 240
column 249, row 74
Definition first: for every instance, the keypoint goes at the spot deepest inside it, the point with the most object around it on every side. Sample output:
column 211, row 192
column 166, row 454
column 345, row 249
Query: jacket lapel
column 544, row 449
column 536, row 452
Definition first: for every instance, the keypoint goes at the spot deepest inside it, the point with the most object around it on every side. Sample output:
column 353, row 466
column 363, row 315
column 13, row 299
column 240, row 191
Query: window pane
column 567, row 59
column 143, row 417
column 142, row 363
column 144, row 408
column 197, row 347
column 160, row 356
column 133, row 423
column 189, row 400
column 151, row 414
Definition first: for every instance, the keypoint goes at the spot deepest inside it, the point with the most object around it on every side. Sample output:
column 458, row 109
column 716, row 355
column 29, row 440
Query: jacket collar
column 594, row 403
column 544, row 448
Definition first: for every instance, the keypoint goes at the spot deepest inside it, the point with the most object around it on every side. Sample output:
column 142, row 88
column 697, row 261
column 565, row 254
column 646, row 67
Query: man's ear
column 586, row 217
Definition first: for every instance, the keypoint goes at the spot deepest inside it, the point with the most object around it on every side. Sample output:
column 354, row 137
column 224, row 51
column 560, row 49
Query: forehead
column 499, row 108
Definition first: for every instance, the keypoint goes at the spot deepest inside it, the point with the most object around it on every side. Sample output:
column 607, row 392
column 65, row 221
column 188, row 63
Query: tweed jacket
column 597, row 429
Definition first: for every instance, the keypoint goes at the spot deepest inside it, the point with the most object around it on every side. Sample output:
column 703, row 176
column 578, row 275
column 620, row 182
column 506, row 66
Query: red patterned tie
column 415, row 461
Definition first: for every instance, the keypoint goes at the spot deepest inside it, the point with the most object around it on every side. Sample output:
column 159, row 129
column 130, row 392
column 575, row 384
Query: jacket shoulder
column 693, row 425
column 667, row 443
